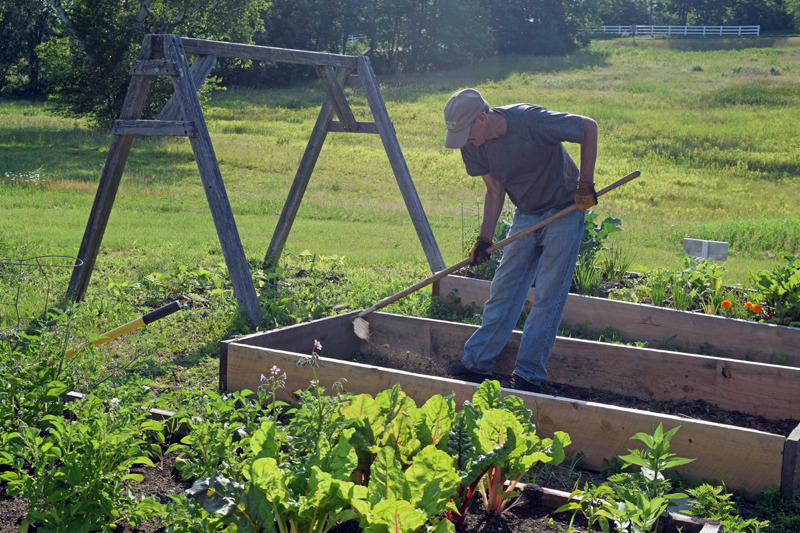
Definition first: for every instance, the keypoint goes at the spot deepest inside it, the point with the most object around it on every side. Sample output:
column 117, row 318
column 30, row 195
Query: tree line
column 78, row 52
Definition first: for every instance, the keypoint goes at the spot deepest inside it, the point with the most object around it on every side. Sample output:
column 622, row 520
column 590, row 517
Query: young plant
column 715, row 503
column 780, row 289
column 73, row 473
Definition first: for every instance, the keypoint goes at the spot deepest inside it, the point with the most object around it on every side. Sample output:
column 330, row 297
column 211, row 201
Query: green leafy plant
column 81, row 466
column 716, row 503
column 595, row 234
column 397, row 501
column 780, row 289
column 588, row 278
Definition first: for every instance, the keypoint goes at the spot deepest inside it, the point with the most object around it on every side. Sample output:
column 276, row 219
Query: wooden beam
column 117, row 156
column 745, row 459
column 266, row 53
column 303, row 175
column 154, row 67
column 337, row 98
column 201, row 68
column 154, row 127
column 790, row 475
column 232, row 249
column 399, row 166
column 661, row 327
column 361, row 127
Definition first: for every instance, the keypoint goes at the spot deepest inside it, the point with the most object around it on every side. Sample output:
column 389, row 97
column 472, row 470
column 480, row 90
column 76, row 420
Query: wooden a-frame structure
column 166, row 55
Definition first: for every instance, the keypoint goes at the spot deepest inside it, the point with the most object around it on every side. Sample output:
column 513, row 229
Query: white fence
column 705, row 31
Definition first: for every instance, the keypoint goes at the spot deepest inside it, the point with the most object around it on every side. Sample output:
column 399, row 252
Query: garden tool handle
column 152, row 316
column 508, row 240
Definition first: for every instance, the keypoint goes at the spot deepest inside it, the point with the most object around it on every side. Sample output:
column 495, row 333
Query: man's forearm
column 588, row 150
column 492, row 208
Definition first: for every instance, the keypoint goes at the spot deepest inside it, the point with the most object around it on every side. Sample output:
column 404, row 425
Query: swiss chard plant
column 398, row 501
column 392, row 419
column 493, row 444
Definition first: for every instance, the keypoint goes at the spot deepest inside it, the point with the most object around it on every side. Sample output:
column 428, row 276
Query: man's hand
column 586, row 196
column 478, row 255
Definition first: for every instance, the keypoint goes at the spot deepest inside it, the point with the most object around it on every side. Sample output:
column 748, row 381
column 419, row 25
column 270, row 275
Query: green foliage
column 782, row 513
column 81, row 465
column 780, row 288
column 716, row 503
column 632, row 501
column 595, row 234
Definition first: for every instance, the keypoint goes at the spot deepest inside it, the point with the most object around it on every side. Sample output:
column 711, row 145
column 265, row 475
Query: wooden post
column 138, row 88
column 303, row 175
column 207, row 164
column 401, row 172
column 790, row 473
column 201, row 68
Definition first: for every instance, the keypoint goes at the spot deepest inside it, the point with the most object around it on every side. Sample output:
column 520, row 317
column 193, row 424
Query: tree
column 24, row 24
column 89, row 61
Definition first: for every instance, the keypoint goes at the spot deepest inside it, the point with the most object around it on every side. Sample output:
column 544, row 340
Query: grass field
column 713, row 125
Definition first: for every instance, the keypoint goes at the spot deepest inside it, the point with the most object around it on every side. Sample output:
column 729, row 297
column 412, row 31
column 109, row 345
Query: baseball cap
column 459, row 112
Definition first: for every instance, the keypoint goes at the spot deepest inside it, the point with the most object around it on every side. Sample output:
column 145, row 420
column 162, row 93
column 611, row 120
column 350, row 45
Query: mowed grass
column 714, row 127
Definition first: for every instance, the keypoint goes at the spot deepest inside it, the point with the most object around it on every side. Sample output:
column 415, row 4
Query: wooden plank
column 361, row 127
column 790, row 475
column 713, row 250
column 766, row 390
column 337, row 98
column 399, row 166
column 154, row 67
column 235, row 259
column 661, row 327
column 302, row 177
column 117, row 156
column 201, row 68
column 266, row 53
column 154, row 127
column 745, row 459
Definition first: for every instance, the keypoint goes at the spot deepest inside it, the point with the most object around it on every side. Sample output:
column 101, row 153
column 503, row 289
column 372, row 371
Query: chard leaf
column 487, row 396
column 264, row 442
column 216, row 494
column 265, row 474
column 342, row 458
column 441, row 526
column 516, row 406
column 396, row 516
column 385, row 478
column 316, row 502
column 253, row 513
column 494, row 427
column 431, row 481
column 438, row 416
column 399, row 434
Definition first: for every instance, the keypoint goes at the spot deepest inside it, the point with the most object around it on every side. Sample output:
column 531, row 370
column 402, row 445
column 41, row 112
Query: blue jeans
column 547, row 255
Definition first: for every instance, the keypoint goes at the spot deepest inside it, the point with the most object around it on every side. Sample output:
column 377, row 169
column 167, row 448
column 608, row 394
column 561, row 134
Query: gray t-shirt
column 529, row 159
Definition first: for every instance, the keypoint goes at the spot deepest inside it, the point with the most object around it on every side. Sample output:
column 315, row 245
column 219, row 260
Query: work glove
column 478, row 255
column 586, row 196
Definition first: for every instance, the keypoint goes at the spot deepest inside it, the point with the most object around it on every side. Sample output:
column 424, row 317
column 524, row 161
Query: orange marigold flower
column 757, row 309
column 726, row 304
column 748, row 305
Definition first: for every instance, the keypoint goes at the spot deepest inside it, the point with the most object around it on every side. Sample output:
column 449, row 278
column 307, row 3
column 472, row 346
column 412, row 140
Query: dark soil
column 697, row 409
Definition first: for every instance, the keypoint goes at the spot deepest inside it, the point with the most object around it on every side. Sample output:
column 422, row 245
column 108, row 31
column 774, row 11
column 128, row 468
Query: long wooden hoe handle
column 508, row 240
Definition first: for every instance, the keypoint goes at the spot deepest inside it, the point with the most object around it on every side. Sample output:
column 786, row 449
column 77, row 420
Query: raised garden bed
column 745, row 459
column 659, row 326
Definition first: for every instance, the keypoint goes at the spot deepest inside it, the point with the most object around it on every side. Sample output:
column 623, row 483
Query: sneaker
column 458, row 370
column 520, row 383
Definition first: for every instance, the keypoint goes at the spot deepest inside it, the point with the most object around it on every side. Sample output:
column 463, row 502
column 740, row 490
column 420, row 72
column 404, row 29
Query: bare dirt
column 696, row 409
